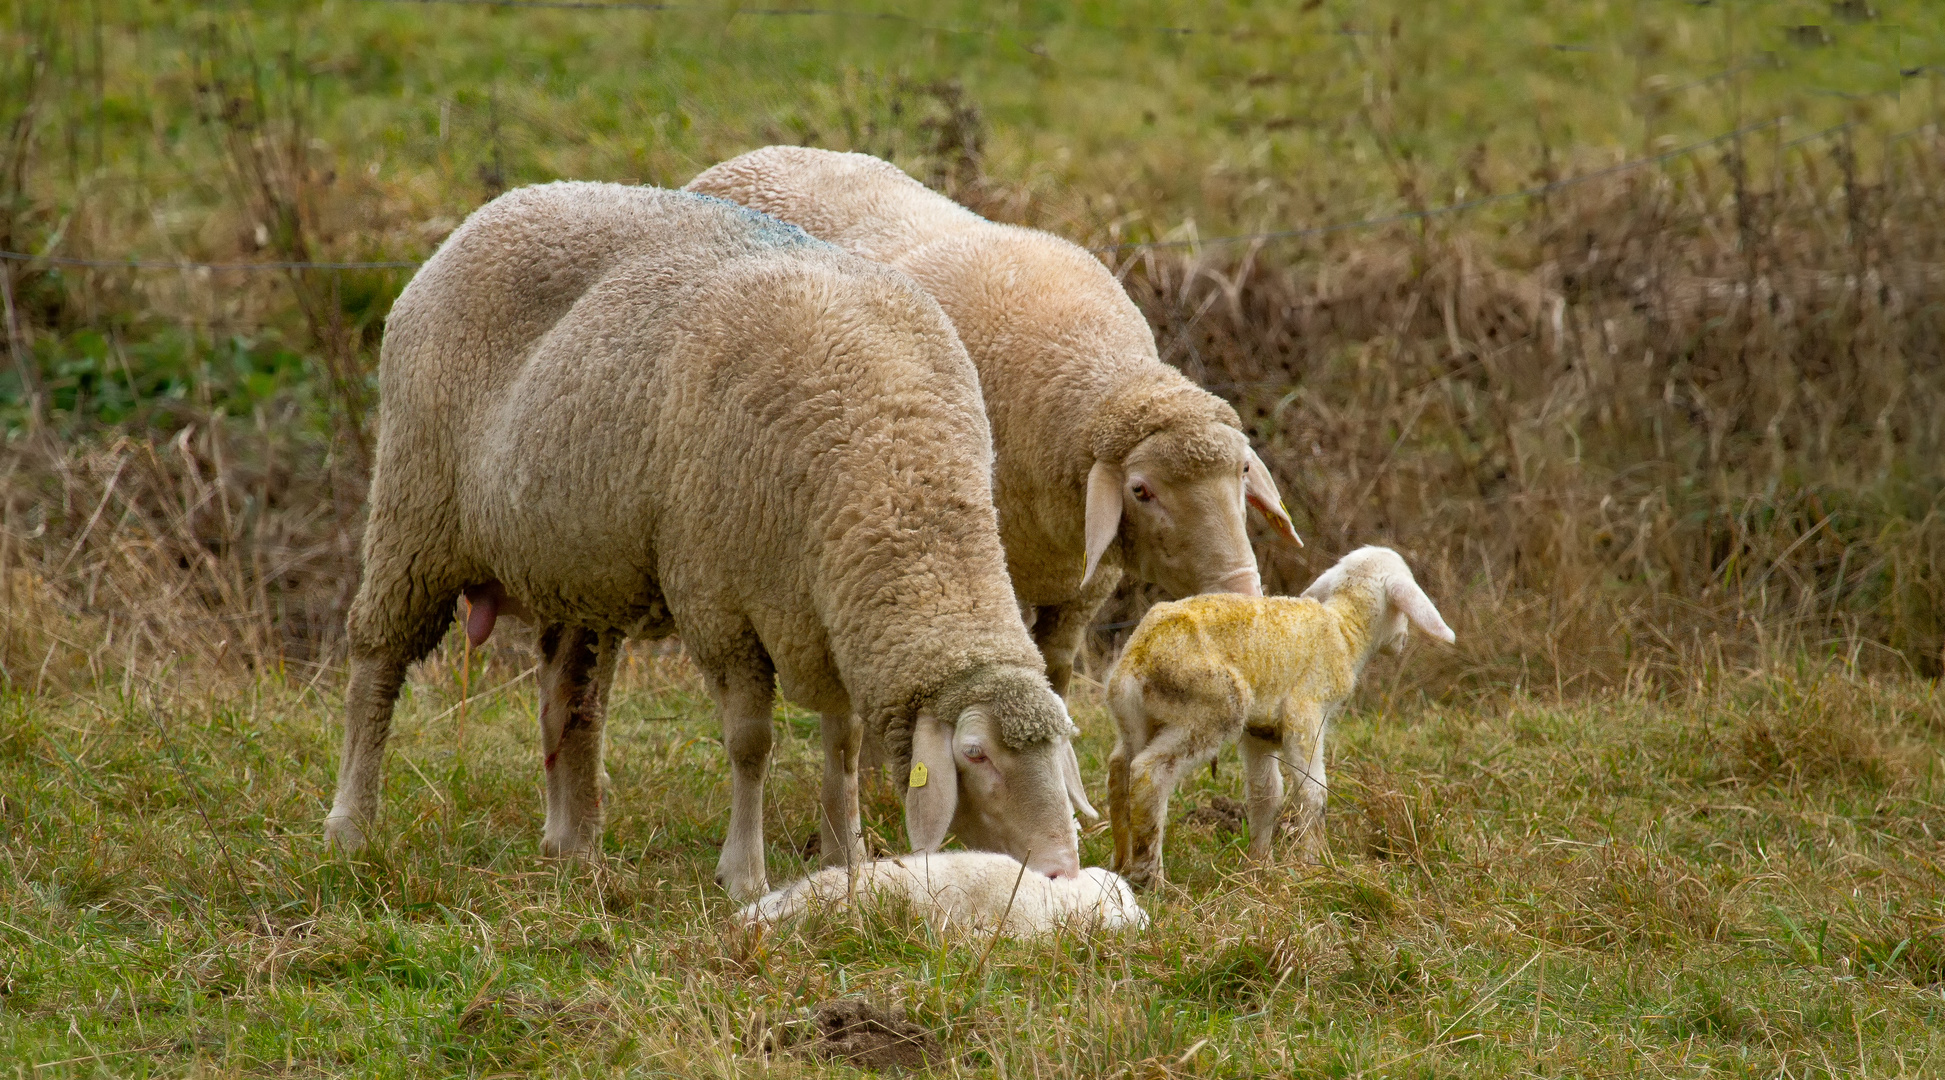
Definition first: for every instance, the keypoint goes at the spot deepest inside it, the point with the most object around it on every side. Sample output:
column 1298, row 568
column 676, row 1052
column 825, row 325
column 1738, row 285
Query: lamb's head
column 1178, row 503
column 1382, row 573
column 993, row 763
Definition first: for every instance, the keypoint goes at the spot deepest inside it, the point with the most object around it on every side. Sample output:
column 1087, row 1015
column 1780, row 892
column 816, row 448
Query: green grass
column 1734, row 882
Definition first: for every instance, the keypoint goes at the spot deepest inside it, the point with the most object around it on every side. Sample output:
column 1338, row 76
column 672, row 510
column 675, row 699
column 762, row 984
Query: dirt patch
column 859, row 1033
column 1223, row 814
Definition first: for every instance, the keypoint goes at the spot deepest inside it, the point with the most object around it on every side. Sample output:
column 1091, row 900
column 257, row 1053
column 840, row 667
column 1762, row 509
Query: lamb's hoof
column 344, row 833
column 1145, row 878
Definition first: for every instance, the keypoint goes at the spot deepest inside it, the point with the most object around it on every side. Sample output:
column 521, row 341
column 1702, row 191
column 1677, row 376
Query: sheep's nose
column 1245, row 581
column 1066, row 864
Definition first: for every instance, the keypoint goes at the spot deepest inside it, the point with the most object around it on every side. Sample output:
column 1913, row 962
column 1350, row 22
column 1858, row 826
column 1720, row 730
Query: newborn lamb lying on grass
column 964, row 892
column 1266, row 670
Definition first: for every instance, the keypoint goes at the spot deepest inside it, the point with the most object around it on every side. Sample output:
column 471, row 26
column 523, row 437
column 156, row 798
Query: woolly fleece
column 1067, row 362
column 654, row 412
column 963, row 891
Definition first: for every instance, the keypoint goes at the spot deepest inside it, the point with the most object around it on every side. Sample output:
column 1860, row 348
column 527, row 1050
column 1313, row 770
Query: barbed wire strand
column 651, row 7
column 1210, row 241
column 1450, row 208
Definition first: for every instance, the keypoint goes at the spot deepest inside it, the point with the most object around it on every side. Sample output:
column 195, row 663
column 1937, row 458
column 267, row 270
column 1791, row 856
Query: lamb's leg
column 838, row 828
column 1118, row 804
column 576, row 668
column 1263, row 783
column 1312, row 785
column 744, row 701
column 1152, row 776
column 1130, row 736
column 394, row 621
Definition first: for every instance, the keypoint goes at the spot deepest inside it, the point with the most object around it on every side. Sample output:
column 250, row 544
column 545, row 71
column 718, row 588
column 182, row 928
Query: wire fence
column 149, row 263
column 646, row 7
column 1304, row 232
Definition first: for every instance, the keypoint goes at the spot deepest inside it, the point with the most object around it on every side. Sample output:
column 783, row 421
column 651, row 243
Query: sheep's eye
column 1142, row 494
column 975, row 754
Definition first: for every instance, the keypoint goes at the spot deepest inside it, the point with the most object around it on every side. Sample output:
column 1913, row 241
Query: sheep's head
column 1178, row 503
column 1000, row 774
column 1402, row 604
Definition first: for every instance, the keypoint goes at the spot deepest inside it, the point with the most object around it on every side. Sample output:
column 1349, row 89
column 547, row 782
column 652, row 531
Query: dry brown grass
column 1659, row 422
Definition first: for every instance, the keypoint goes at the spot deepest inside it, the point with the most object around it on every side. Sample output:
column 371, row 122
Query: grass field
column 1665, row 443
column 1742, row 879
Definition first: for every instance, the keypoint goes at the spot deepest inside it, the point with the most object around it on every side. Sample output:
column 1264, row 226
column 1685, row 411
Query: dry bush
column 215, row 544
column 1661, row 420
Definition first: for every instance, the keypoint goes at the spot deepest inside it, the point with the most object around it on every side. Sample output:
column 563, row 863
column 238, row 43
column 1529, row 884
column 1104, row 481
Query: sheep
column 614, row 412
column 1108, row 459
column 966, row 892
column 1198, row 674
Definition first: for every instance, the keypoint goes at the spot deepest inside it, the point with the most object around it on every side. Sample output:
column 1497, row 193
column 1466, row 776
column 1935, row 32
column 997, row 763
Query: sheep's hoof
column 569, row 847
column 743, row 888
column 344, row 833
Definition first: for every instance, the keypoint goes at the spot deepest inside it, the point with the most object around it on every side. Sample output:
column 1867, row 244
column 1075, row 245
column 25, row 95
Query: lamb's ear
column 1070, row 774
column 1407, row 597
column 1103, row 512
column 1259, row 489
column 932, row 787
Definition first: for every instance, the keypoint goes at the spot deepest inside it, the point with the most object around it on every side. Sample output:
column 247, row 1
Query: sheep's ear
column 1070, row 774
column 932, row 785
column 1259, row 489
column 1407, row 597
column 1103, row 512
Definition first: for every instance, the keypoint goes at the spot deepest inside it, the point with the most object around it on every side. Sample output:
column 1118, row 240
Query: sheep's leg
column 1058, row 629
column 1263, row 783
column 838, row 828
column 744, row 701
column 576, row 668
column 375, row 683
column 394, row 622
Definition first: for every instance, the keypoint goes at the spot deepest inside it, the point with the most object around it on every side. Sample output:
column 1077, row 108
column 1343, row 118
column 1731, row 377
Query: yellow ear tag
column 918, row 775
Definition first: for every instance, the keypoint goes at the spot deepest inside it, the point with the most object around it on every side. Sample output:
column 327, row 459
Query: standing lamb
column 1201, row 673
column 617, row 411
column 1108, row 459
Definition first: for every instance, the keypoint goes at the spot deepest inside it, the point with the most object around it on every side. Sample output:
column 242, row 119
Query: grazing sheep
column 1201, row 673
column 966, row 891
column 617, row 411
column 1107, row 459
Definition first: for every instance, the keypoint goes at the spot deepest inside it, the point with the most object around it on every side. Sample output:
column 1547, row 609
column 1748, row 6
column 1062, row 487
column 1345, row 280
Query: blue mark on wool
column 764, row 229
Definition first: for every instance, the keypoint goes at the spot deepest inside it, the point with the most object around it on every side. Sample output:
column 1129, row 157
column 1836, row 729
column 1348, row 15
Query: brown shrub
column 1656, row 423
